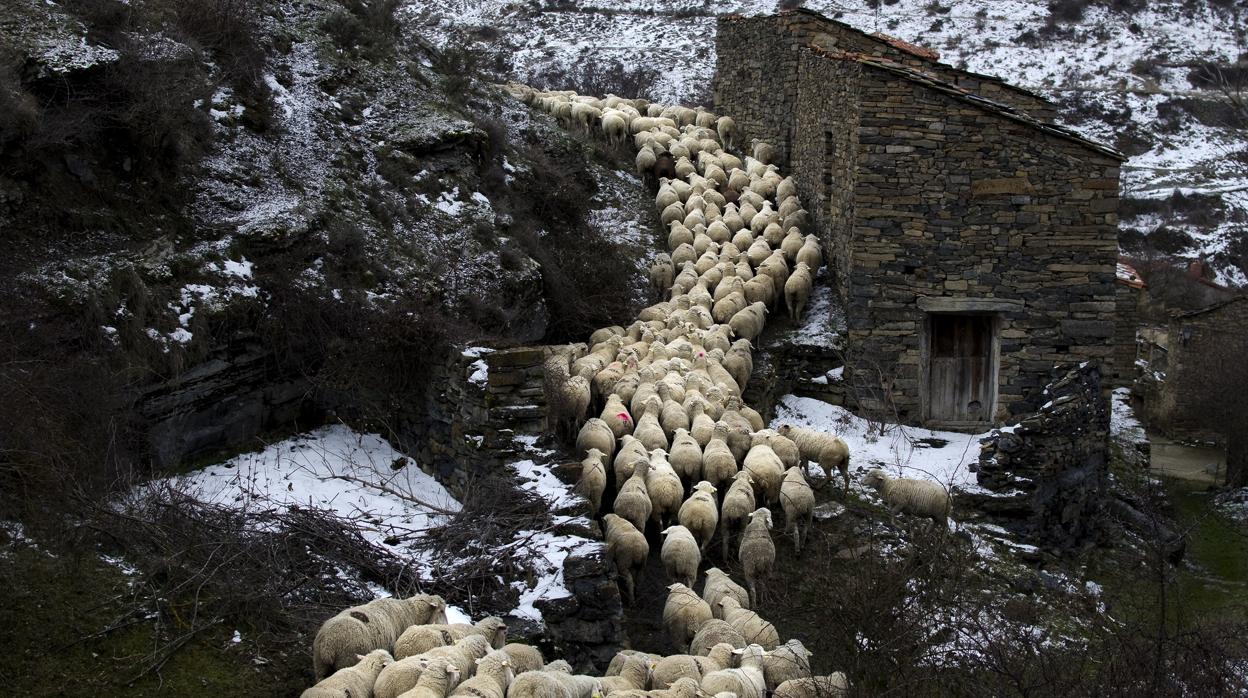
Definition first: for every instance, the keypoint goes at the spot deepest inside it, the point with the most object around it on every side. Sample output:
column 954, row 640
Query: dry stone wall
column 1049, row 471
column 955, row 200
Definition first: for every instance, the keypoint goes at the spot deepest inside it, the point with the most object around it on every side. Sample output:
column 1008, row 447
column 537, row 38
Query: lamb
column 757, row 552
column 727, row 130
column 662, row 272
column 375, row 625
column 494, row 675
column 672, row 668
column 910, row 496
column 524, row 657
column 616, row 667
column 627, row 546
column 735, row 511
column 765, row 468
column 683, row 614
column 753, row 627
column 595, row 434
column 829, row 451
column 797, row 290
column 834, row 685
column 714, row 632
column 353, row 680
column 680, row 555
column 700, row 514
column 746, row 681
column 593, row 480
column 790, row 660
column 422, row 638
column 798, row 501
column 719, row 586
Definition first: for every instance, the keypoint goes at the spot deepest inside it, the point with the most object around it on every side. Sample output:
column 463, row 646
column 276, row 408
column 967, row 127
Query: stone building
column 1205, row 355
column 1129, row 296
column 973, row 243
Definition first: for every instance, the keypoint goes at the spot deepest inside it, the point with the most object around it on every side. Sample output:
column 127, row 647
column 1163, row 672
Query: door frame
column 925, row 365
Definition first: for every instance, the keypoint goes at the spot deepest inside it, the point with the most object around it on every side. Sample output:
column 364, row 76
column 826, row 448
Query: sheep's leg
column 628, row 587
column 844, row 467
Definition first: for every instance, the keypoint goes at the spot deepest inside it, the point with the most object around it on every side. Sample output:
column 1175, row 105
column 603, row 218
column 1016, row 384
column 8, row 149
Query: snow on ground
column 545, row 550
column 355, row 475
column 1123, row 425
column 1234, row 503
column 942, row 456
column 823, row 320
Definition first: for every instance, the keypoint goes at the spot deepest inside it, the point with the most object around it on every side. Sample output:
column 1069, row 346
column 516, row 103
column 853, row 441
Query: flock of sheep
column 392, row 648
column 684, row 452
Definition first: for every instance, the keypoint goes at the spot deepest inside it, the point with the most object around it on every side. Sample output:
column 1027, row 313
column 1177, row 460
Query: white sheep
column 727, row 130
column 674, row 667
column 911, row 496
column 438, row 678
column 680, row 555
column 735, row 511
column 745, row 681
column 552, row 684
column 683, row 614
column 834, row 685
column 765, row 469
column 797, row 290
column 354, row 680
column 593, row 480
column 631, row 451
column 567, row 396
column 616, row 416
column 718, row 586
column 714, row 632
column 648, row 429
column 422, row 638
column 524, row 657
column 662, row 272
column 700, row 514
column 748, row 323
column 798, row 501
column 686, row 457
column 753, row 627
column 785, row 662
column 595, row 433
column 627, row 547
column 811, row 252
column 375, row 625
column 634, row 674
column 828, row 450
column 664, row 487
column 494, row 674
column 719, row 465
column 757, row 552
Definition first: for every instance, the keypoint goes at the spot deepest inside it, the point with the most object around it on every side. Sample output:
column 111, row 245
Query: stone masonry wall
column 1199, row 342
column 756, row 73
column 1127, row 307
column 956, row 200
column 825, row 147
column 1050, row 470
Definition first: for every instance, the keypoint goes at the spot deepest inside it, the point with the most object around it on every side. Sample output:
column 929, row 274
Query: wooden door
column 961, row 378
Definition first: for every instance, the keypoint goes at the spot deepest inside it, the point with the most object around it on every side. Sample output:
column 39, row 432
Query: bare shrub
column 364, row 28
column 600, row 77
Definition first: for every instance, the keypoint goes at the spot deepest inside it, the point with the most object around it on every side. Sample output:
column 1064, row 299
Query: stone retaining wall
column 1048, row 473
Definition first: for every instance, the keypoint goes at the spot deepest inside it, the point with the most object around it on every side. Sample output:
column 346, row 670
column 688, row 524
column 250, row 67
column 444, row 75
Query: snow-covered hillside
column 1131, row 74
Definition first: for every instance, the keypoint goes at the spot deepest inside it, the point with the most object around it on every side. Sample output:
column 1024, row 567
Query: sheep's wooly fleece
column 902, row 451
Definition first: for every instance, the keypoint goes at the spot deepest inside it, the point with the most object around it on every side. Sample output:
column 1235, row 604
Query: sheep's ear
column 360, row 657
column 738, row 650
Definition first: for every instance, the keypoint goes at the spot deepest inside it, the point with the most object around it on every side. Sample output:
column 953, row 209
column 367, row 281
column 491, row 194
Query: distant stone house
column 972, row 242
column 1203, row 346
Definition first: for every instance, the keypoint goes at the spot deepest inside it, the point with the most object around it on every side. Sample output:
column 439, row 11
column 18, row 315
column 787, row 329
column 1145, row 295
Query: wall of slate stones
column 1048, row 473
column 756, row 74
column 955, row 200
column 1127, row 309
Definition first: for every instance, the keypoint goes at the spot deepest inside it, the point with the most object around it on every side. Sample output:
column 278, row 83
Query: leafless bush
column 599, row 77
column 366, row 28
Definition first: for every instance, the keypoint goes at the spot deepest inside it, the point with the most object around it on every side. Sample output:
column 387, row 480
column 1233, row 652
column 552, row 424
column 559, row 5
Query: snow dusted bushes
column 599, row 77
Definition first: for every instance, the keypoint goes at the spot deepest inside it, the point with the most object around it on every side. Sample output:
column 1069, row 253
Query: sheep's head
column 876, row 478
column 785, row 429
column 762, row 512
column 495, row 630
